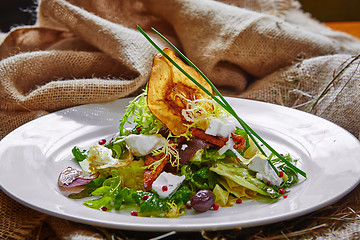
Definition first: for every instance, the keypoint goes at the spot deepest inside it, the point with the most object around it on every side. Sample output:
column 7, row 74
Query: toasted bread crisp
column 169, row 89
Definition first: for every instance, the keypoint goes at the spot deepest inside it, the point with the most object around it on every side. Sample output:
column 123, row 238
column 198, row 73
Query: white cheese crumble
column 170, row 181
column 224, row 128
column 229, row 145
column 99, row 158
column 184, row 146
column 221, row 127
column 264, row 171
column 141, row 144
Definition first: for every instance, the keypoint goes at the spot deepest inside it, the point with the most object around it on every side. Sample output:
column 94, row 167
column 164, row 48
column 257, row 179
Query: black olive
column 203, row 200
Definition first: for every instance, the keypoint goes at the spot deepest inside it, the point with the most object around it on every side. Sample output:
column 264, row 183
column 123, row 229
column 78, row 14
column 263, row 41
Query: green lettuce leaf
column 154, row 205
column 199, row 178
column 90, row 187
column 108, row 191
column 243, row 177
column 182, row 195
column 293, row 176
column 117, row 146
column 132, row 175
column 79, row 154
column 212, row 155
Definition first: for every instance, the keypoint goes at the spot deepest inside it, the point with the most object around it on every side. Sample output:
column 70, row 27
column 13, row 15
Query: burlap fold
column 88, row 51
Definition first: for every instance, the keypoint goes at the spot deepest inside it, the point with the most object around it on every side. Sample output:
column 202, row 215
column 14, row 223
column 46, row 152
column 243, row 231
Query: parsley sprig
column 221, row 101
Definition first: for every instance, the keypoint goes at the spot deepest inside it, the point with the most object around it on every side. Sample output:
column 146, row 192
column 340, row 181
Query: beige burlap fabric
column 90, row 51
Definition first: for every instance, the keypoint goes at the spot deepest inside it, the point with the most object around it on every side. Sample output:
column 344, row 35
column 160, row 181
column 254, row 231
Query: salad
column 177, row 148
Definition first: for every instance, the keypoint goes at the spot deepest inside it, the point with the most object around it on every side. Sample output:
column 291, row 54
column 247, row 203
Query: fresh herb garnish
column 222, row 102
column 79, row 155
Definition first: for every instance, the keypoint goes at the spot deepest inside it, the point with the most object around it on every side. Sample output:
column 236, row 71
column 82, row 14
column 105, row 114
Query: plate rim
column 220, row 226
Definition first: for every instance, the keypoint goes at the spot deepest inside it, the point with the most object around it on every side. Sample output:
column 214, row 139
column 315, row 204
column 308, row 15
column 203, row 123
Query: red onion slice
column 71, row 177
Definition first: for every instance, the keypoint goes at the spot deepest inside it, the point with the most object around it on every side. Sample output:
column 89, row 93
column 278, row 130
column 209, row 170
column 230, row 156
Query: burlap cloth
column 89, row 51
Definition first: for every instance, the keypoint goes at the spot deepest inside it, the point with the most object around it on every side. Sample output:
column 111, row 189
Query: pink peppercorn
column 215, row 206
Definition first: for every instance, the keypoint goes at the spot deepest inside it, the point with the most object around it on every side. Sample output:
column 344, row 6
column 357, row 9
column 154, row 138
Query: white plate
column 32, row 156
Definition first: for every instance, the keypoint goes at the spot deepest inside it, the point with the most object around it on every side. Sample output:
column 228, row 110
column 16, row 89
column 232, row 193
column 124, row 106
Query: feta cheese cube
column 100, row 157
column 141, row 145
column 260, row 164
column 166, row 184
column 221, row 127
